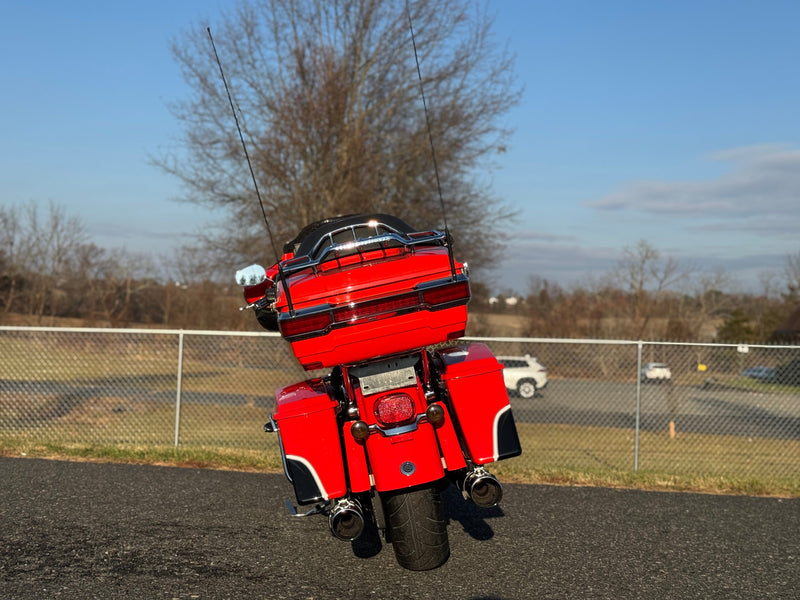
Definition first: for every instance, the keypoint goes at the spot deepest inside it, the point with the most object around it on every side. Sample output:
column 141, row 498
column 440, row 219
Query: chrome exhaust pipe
column 483, row 488
column 346, row 520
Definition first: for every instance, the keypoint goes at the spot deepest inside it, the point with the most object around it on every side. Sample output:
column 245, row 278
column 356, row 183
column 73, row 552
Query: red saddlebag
column 474, row 380
column 309, row 439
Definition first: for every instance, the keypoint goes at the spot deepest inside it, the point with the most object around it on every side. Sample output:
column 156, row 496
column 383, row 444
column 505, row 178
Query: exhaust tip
column 483, row 489
column 346, row 521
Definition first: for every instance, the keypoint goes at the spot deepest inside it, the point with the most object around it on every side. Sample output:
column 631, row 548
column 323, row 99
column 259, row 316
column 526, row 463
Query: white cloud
column 560, row 259
column 745, row 221
column 575, row 264
column 762, row 181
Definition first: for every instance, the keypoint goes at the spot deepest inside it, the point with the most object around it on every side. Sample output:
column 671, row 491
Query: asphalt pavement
column 81, row 530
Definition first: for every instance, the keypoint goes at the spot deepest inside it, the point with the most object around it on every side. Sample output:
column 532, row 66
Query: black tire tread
column 417, row 528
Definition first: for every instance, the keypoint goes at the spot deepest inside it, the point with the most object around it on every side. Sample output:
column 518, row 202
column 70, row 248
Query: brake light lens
column 443, row 294
column 303, row 325
column 372, row 308
column 394, row 409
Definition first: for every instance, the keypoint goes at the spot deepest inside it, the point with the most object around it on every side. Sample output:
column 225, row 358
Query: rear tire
column 417, row 529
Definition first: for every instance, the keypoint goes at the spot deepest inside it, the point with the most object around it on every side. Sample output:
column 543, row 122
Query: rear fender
column 407, row 454
column 404, row 460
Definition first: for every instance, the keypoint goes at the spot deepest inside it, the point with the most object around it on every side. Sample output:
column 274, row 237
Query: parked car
column 655, row 372
column 523, row 375
column 760, row 373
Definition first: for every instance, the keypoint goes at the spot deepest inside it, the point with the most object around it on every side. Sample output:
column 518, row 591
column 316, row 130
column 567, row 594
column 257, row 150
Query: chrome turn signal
column 435, row 414
column 359, row 430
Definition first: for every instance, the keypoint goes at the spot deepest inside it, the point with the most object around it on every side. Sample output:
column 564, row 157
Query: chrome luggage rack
column 346, row 241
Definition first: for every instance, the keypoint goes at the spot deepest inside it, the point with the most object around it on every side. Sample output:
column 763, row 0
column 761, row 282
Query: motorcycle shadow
column 471, row 517
column 456, row 508
column 369, row 543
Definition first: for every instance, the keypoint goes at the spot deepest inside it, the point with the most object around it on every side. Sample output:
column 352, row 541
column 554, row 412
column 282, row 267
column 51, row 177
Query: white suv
column 655, row 372
column 523, row 374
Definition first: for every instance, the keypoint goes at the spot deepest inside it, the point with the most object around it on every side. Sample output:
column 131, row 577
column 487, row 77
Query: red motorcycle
column 401, row 414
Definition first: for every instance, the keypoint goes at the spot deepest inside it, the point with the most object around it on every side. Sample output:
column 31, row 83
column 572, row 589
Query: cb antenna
column 433, row 150
column 244, row 147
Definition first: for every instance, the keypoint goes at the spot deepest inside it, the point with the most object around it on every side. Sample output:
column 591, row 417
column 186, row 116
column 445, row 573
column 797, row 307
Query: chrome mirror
column 252, row 275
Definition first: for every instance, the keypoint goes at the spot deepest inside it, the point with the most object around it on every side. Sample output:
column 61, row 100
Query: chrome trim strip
column 495, row 432
column 420, row 418
column 313, row 471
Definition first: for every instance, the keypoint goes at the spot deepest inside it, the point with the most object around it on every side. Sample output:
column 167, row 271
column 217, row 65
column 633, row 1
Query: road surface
column 78, row 530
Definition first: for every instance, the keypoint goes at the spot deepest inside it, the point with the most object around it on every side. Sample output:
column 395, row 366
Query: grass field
column 552, row 454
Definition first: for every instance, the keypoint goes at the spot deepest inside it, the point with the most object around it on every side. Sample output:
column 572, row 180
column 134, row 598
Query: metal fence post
column 178, row 393
column 638, row 404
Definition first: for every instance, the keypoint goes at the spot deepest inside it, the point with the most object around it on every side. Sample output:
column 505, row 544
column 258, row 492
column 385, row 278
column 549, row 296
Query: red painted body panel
column 393, row 458
column 474, row 380
column 337, row 284
column 357, row 468
column 367, row 339
column 306, row 417
column 406, row 459
column 448, row 442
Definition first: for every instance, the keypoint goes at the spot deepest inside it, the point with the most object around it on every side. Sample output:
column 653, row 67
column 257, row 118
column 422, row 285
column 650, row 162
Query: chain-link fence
column 724, row 410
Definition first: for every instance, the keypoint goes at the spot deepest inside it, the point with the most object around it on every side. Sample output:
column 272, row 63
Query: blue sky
column 671, row 121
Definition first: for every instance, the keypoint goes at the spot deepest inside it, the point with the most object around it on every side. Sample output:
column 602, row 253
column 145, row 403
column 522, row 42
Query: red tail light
column 394, row 409
column 443, row 294
column 317, row 323
column 384, row 306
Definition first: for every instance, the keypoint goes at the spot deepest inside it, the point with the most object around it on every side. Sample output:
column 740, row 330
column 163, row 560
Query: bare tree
column 39, row 254
column 191, row 299
column 328, row 98
column 792, row 274
column 12, row 249
column 54, row 242
column 704, row 302
column 770, row 283
column 646, row 277
column 121, row 284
